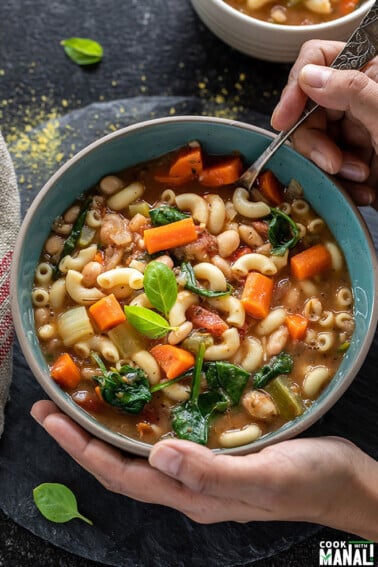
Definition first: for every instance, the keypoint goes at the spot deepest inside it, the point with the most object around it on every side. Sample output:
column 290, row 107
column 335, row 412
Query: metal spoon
column 361, row 47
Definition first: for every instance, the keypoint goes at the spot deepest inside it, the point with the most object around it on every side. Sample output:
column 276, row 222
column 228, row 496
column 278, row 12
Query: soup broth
column 167, row 303
column 287, row 12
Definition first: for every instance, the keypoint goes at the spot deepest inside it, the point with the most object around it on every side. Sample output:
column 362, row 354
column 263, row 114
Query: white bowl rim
column 289, row 430
column 233, row 12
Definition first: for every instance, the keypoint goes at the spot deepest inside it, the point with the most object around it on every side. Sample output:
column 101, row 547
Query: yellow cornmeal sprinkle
column 40, row 141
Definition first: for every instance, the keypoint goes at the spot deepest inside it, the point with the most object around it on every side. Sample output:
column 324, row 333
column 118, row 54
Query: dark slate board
column 127, row 533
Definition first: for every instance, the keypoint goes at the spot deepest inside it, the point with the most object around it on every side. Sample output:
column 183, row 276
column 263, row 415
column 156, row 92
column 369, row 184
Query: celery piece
column 193, row 342
column 289, row 404
column 127, row 340
column 74, row 325
column 141, row 207
column 86, row 236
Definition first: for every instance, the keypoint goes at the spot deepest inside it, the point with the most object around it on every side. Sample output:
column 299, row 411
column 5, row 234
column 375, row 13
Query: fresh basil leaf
column 191, row 283
column 280, row 364
column 82, row 51
column 283, row 232
column 228, row 378
column 166, row 215
column 57, row 503
column 126, row 388
column 147, row 322
column 160, row 286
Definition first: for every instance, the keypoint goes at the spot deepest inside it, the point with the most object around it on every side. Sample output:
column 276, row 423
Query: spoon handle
column 361, row 47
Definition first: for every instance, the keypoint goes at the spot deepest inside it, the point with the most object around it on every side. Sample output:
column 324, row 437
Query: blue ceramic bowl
column 151, row 139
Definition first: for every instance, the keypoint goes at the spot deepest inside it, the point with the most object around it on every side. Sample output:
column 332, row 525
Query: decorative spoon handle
column 361, row 47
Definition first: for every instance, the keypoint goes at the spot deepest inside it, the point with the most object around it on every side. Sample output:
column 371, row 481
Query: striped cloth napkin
column 9, row 224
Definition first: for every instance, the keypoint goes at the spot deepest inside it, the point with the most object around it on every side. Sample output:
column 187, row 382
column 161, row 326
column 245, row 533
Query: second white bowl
column 267, row 41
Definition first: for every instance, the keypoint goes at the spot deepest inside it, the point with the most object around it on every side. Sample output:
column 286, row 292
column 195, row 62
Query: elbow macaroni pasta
column 121, row 277
column 195, row 204
column 247, row 208
column 226, row 349
column 268, row 311
column 126, row 196
column 212, row 274
column 80, row 294
column 253, row 261
column 78, row 262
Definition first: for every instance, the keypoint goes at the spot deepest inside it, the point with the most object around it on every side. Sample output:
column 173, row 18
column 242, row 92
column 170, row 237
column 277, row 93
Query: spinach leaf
column 73, row 237
column 191, row 283
column 166, row 215
column 280, row 364
column 57, row 503
column 283, row 232
column 127, row 389
column 82, row 51
column 226, row 384
column 147, row 322
column 212, row 401
column 227, row 378
column 160, row 286
column 188, row 421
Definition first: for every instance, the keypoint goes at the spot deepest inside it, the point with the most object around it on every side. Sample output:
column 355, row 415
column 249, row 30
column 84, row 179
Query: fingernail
column 321, row 161
column 315, row 76
column 35, row 417
column 274, row 114
column 166, row 460
column 352, row 171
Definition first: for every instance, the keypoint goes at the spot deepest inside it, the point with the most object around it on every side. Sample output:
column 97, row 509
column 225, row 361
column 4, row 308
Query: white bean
column 315, row 379
column 237, row 437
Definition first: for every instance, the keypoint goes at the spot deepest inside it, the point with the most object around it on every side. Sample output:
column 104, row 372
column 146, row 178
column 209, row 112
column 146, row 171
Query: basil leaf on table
column 280, row 364
column 191, row 283
column 147, row 322
column 126, row 388
column 283, row 232
column 57, row 503
column 160, row 286
column 166, row 215
column 82, row 51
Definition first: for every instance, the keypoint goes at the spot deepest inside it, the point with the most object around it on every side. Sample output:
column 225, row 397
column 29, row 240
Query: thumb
column 199, row 468
column 334, row 89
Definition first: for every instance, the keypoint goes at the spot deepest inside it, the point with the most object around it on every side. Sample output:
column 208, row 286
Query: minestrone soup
column 168, row 303
column 293, row 12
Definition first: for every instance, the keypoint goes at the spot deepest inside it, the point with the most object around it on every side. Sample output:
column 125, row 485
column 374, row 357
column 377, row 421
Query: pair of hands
column 328, row 480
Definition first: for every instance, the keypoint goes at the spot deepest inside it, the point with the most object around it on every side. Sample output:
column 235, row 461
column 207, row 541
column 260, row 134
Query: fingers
column 362, row 194
column 133, row 477
column 209, row 473
column 312, row 141
column 42, row 409
column 351, row 91
column 293, row 98
column 113, row 469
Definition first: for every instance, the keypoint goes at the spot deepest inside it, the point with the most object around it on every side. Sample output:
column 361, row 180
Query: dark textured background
column 152, row 49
